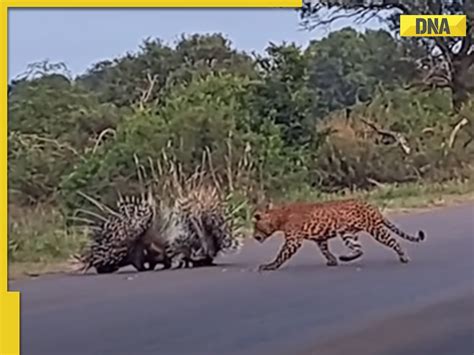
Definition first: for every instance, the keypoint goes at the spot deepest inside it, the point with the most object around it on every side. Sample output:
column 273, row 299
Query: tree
column 207, row 54
column 52, row 122
column 450, row 60
column 191, row 120
column 347, row 66
column 156, row 67
column 53, row 107
column 123, row 80
column 282, row 94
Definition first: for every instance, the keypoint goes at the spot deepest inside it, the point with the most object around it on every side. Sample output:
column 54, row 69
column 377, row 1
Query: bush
column 400, row 137
column 39, row 234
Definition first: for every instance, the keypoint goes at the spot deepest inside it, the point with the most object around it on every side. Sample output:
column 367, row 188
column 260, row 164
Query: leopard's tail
column 420, row 236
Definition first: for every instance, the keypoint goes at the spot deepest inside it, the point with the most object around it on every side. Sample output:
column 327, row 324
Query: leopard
column 320, row 222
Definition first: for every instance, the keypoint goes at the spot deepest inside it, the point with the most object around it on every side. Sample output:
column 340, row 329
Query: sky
column 81, row 37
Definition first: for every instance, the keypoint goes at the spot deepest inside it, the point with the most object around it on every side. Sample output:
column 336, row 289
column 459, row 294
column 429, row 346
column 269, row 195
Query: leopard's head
column 264, row 223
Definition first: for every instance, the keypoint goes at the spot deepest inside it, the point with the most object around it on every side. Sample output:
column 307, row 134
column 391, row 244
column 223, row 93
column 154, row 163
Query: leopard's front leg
column 289, row 248
column 324, row 247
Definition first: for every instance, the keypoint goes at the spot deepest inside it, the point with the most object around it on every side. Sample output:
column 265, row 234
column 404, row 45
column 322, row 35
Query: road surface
column 372, row 306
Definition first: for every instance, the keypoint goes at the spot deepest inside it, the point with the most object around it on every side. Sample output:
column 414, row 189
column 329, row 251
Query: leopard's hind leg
column 323, row 246
column 352, row 242
column 381, row 235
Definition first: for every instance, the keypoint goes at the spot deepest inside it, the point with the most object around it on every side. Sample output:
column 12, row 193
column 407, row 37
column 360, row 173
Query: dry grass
column 39, row 244
column 39, row 234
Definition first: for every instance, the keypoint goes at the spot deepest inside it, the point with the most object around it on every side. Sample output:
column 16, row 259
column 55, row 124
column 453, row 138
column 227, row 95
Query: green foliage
column 282, row 96
column 53, row 106
column 357, row 156
column 292, row 123
column 36, row 166
column 52, row 123
column 208, row 116
column 446, row 63
column 156, row 67
column 347, row 67
column 288, row 120
column 39, row 234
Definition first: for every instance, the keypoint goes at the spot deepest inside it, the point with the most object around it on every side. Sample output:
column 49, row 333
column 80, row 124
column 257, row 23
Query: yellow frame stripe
column 158, row 3
column 9, row 301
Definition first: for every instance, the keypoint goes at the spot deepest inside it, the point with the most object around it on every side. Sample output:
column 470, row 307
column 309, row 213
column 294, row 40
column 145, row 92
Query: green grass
column 40, row 243
column 400, row 197
column 40, row 235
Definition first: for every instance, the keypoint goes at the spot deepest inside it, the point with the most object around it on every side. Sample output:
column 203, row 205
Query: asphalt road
column 373, row 306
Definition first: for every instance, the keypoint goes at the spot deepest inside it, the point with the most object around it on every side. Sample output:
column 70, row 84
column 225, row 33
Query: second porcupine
column 201, row 229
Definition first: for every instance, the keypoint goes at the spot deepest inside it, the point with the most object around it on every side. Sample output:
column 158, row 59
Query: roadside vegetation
column 344, row 116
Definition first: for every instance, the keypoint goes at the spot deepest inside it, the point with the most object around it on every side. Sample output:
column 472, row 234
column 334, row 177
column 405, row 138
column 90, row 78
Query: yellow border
column 157, row 3
column 10, row 301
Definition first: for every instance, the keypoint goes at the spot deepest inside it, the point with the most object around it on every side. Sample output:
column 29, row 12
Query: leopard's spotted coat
column 320, row 222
